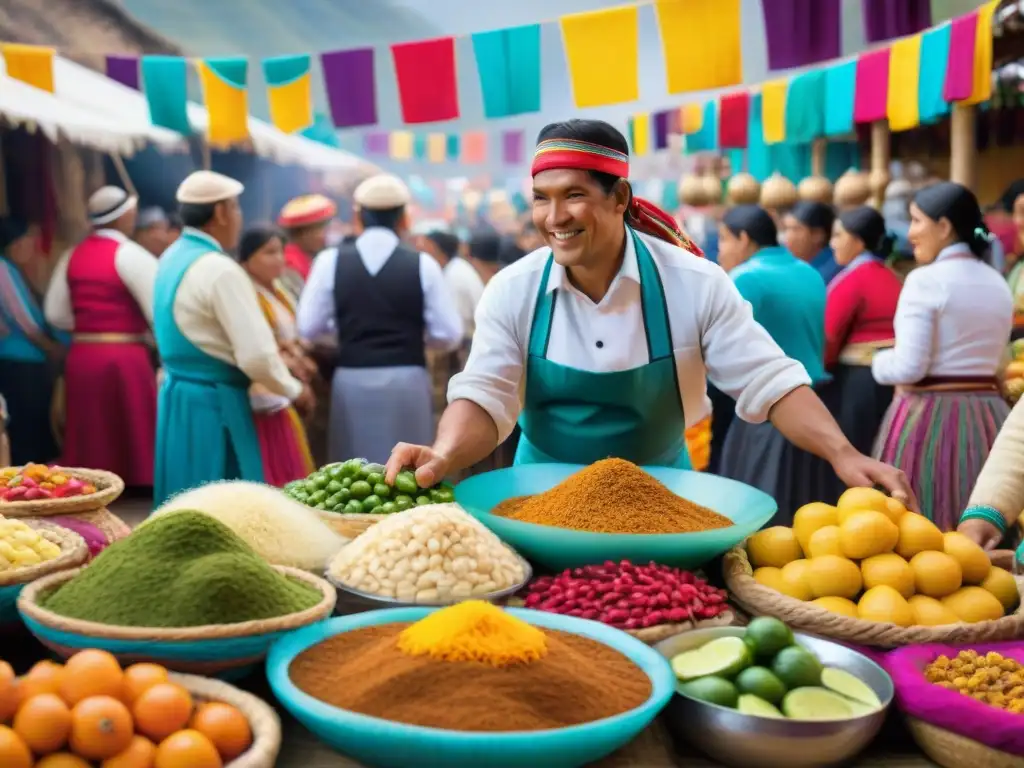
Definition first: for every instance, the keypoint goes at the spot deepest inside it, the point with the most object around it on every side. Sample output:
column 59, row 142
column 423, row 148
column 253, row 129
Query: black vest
column 379, row 317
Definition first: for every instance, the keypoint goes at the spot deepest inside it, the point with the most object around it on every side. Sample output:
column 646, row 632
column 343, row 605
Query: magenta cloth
column 871, row 98
column 512, row 143
column 95, row 539
column 376, row 143
column 885, row 20
column 960, row 65
column 801, row 32
column 351, row 87
column 948, row 709
column 124, row 69
column 662, row 123
column 283, row 459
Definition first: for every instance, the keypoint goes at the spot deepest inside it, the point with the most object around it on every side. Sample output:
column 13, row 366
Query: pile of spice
column 612, row 496
column 990, row 678
column 471, row 667
column 180, row 570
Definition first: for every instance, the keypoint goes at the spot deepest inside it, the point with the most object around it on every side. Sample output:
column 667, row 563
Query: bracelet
column 988, row 514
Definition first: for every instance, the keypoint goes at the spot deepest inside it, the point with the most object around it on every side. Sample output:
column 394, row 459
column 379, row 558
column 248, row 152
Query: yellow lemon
column 839, row 605
column 929, row 612
column 861, row 500
column 833, row 576
column 885, row 604
column 888, row 570
column 895, row 509
column 972, row 604
column 795, row 582
column 774, row 546
column 864, row 534
column 936, row 574
column 824, row 541
column 770, row 577
column 972, row 558
column 1001, row 583
column 810, row 518
column 917, row 534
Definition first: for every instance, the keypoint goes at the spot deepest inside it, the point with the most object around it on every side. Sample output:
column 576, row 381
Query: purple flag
column 662, row 122
column 512, row 147
column 885, row 20
column 124, row 69
column 801, row 32
column 351, row 87
column 376, row 143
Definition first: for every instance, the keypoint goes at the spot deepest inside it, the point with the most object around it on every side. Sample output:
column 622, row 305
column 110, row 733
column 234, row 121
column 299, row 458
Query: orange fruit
column 10, row 694
column 62, row 760
column 225, row 726
column 187, row 749
column 91, row 673
column 141, row 677
column 101, row 727
column 43, row 722
column 14, row 753
column 140, row 754
column 162, row 710
column 44, row 677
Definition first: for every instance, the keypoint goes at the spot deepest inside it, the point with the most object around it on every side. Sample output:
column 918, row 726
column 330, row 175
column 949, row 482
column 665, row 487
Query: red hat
column 307, row 210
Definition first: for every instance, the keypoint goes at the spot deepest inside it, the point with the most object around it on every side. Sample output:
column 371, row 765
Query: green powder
column 184, row 569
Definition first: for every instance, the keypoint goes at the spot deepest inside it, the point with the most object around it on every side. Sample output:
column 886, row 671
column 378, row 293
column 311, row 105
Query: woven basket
column 951, row 750
column 108, row 487
column 263, row 720
column 347, row 525
column 210, row 650
column 759, row 600
column 73, row 552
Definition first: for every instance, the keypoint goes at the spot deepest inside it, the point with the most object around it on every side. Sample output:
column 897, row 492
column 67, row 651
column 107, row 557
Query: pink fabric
column 283, row 459
column 950, row 710
column 100, row 301
column 960, row 64
column 94, row 537
column 870, row 101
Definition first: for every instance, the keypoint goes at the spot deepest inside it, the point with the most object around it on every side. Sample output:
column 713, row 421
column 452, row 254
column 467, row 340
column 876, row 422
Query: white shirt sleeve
column 254, row 347
column 493, row 376
column 440, row 313
column 914, row 325
column 57, row 302
column 137, row 269
column 314, row 316
column 741, row 357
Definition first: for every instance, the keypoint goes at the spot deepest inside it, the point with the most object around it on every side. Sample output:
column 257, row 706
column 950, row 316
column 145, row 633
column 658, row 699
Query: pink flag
column 871, row 98
column 960, row 64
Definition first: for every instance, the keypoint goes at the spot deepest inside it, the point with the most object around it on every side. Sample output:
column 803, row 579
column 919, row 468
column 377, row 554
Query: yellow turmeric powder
column 474, row 631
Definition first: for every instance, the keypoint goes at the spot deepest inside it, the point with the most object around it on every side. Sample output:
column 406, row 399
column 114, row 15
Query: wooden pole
column 818, row 151
column 962, row 160
column 878, row 179
column 4, row 210
column 122, row 173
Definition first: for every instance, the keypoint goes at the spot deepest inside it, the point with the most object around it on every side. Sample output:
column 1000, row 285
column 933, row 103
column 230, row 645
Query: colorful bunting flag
column 400, row 145
column 733, row 120
column 427, row 87
column 32, row 64
column 886, row 20
column 512, row 147
column 934, row 60
column 289, row 92
column 165, row 83
column 640, row 133
column 451, row 146
column 124, row 69
column 960, row 65
column 981, row 81
column 805, row 101
column 773, row 110
column 376, row 143
column 801, row 32
column 351, row 87
column 662, row 127
column 224, row 82
column 840, row 92
column 706, row 139
column 602, row 49
column 508, row 64
column 474, row 147
column 700, row 41
column 904, row 83
column 692, row 118
column 871, row 100
column 436, row 144
column 419, row 146
column 758, row 157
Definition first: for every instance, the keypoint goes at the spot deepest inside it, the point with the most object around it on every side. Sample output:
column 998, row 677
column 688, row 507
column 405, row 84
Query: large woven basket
column 108, row 487
column 263, row 720
column 758, row 599
column 215, row 649
column 348, row 525
column 951, row 750
column 73, row 552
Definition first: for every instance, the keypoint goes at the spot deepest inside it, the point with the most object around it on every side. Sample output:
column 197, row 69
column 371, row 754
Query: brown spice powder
column 578, row 681
column 612, row 496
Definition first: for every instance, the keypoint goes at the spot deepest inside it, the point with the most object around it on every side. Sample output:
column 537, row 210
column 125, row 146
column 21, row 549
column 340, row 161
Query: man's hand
column 305, row 403
column 858, row 471
column 981, row 532
column 431, row 466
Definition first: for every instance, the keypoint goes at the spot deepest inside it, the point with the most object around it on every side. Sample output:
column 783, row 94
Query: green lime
column 382, row 490
column 388, row 508
column 360, row 489
column 724, row 657
column 371, row 502
column 767, row 636
column 334, row 486
column 749, row 704
column 354, row 507
column 845, row 684
column 405, row 482
column 423, row 501
column 797, row 667
column 816, row 704
column 762, row 683
column 375, row 478
column 317, row 498
column 714, row 690
column 403, row 502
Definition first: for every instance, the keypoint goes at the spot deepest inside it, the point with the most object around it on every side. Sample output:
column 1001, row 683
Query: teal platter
column 558, row 548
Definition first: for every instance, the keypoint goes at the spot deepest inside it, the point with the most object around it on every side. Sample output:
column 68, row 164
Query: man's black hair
column 593, row 132
column 196, row 214
column 389, row 218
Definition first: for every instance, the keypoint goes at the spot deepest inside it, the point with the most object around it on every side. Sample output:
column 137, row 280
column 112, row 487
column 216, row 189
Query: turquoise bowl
column 9, row 605
column 559, row 548
column 385, row 744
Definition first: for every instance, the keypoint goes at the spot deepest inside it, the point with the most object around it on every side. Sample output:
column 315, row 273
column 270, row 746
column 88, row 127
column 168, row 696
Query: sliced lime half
column 749, row 704
column 816, row 704
column 850, row 686
column 724, row 657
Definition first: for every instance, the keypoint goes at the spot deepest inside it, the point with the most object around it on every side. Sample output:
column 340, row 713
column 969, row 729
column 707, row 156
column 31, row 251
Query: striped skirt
column 941, row 439
column 284, row 447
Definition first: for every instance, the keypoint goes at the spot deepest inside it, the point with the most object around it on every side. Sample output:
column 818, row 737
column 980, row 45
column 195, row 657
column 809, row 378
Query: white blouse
column 953, row 318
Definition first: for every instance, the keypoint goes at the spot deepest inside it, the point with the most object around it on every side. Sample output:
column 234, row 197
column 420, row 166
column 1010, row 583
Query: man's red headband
column 569, row 153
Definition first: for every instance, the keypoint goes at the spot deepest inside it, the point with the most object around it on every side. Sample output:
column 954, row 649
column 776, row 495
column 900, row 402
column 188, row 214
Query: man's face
column 312, row 239
column 155, row 238
column 426, row 245
column 575, row 216
column 229, row 220
column 802, row 241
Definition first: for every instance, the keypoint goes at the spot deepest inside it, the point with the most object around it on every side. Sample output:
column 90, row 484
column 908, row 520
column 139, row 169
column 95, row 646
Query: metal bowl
column 747, row 741
column 352, row 600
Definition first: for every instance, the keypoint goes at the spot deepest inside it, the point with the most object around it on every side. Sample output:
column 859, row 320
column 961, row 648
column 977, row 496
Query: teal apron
column 205, row 430
column 579, row 417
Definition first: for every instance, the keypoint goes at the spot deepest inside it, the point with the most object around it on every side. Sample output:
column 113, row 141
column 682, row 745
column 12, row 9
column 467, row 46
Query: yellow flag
column 773, row 110
column 602, row 50
column 436, row 147
column 904, row 77
column 701, row 43
column 982, row 90
column 291, row 105
column 400, row 145
column 227, row 107
column 32, row 64
column 641, row 133
column 693, row 118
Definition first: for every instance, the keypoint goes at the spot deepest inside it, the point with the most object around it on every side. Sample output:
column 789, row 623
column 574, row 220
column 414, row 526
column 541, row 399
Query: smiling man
column 600, row 344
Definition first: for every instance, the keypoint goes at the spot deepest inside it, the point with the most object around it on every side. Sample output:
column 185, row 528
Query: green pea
column 336, row 471
column 360, row 489
column 346, row 482
column 318, row 497
column 335, row 501
column 375, row 478
column 334, row 486
column 404, row 502
column 372, row 467
column 352, row 467
column 345, row 495
column 382, row 490
column 423, row 501
column 321, row 505
column 406, row 483
column 320, row 480
column 388, row 508
column 354, row 507
column 442, row 496
column 301, row 496
column 372, row 502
